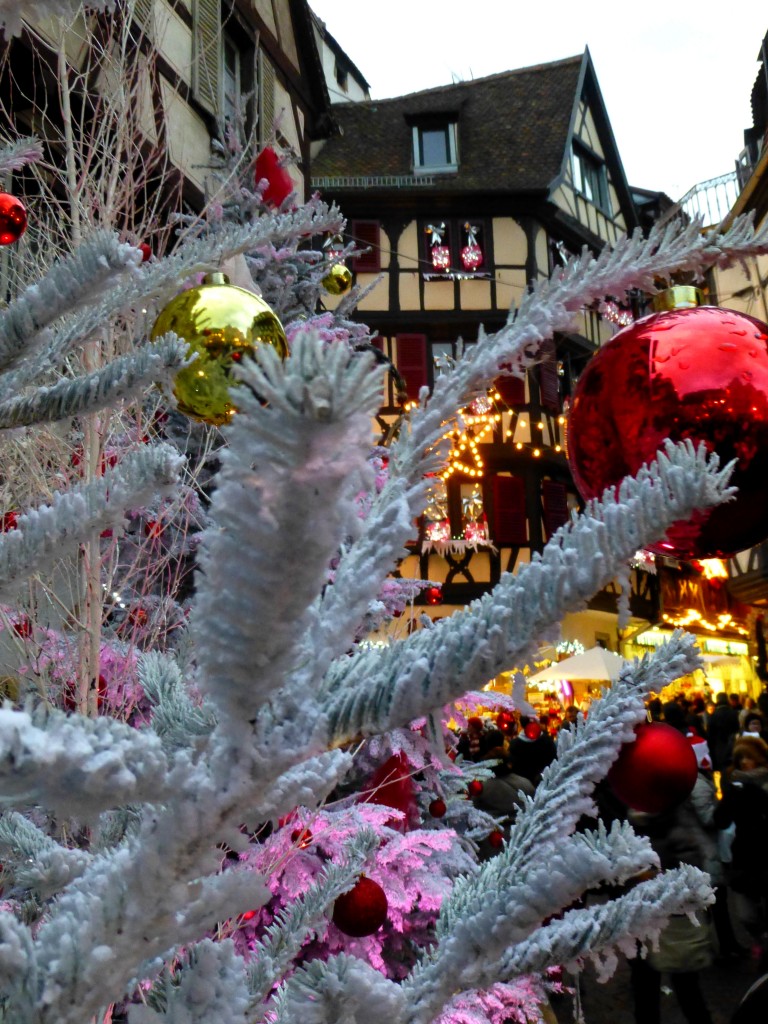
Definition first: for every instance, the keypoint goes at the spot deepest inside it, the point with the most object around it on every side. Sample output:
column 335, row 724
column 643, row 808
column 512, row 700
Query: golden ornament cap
column 338, row 279
column 679, row 296
column 221, row 323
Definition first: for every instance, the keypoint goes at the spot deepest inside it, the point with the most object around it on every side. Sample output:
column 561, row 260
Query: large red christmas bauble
column 13, row 219
column 280, row 184
column 698, row 373
column 656, row 771
column 362, row 910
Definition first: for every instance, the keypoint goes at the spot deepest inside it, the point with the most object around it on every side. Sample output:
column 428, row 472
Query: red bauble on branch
column 391, row 785
column 279, row 185
column 475, row 787
column 362, row 910
column 13, row 219
column 437, row 807
column 656, row 771
column 697, row 373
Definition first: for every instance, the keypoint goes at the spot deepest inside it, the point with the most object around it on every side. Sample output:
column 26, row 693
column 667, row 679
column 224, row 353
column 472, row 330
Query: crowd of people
column 721, row 827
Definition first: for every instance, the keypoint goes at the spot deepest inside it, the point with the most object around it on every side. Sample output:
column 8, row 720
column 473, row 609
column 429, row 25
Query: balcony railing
column 712, row 199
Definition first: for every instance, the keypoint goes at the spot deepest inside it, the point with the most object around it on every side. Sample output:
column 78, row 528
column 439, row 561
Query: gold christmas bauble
column 221, row 323
column 338, row 279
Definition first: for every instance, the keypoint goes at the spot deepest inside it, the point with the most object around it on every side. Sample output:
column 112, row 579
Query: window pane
column 434, row 147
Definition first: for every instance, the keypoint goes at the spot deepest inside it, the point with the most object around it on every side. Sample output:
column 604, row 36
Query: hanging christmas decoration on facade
column 13, row 219
column 690, row 372
column 338, row 280
column 440, row 253
column 221, row 324
column 471, row 253
column 473, row 424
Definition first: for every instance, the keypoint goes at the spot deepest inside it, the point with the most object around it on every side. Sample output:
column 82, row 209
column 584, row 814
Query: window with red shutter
column 366, row 233
column 510, row 524
column 555, row 501
column 412, row 362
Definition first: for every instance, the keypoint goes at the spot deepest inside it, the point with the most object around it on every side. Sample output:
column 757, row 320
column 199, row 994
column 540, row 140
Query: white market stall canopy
column 596, row 664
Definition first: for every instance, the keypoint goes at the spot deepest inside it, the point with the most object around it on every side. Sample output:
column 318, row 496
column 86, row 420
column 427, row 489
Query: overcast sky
column 676, row 85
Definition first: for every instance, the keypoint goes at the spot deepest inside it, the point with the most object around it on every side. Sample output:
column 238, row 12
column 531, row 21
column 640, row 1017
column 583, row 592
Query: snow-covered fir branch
column 77, row 280
column 306, row 450
column 378, row 689
column 286, row 936
column 176, row 718
column 46, row 533
column 341, row 990
column 18, row 153
column 77, row 765
column 123, row 379
column 34, row 861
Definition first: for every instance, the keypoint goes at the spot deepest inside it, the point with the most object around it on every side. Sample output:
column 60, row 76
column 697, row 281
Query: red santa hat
column 701, row 750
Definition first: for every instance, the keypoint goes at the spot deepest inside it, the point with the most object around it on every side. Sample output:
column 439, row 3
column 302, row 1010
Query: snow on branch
column 75, row 765
column 75, row 281
column 17, row 154
column 273, row 956
column 45, row 533
column 377, row 689
column 124, row 378
column 341, row 989
column 34, row 860
column 282, row 507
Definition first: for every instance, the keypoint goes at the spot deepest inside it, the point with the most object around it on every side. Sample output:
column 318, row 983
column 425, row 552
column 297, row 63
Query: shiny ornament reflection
column 13, row 219
column 698, row 374
column 221, row 324
column 338, row 279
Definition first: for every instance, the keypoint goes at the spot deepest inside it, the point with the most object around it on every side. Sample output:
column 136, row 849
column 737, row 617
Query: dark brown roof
column 513, row 130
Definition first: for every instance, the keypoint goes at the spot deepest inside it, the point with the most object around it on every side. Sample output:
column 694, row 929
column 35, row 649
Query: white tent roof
column 595, row 664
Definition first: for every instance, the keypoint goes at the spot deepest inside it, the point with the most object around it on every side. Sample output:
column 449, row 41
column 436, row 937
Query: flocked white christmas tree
column 264, row 714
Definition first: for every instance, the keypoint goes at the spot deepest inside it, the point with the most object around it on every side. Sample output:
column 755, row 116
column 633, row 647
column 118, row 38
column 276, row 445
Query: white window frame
column 453, row 160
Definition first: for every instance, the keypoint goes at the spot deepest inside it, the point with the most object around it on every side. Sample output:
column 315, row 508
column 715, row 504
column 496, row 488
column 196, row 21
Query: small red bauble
column 248, row 915
column 437, row 808
column 280, row 185
column 532, row 730
column 23, row 628
column 146, row 252
column 700, row 374
column 496, row 839
column 475, row 788
column 656, row 771
column 362, row 910
column 434, row 595
column 302, row 837
column 13, row 219
column 8, row 521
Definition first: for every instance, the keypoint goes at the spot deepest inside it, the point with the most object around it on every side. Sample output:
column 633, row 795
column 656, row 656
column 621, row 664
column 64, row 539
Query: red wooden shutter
column 366, row 233
column 412, row 362
column 510, row 525
column 555, row 500
column 512, row 390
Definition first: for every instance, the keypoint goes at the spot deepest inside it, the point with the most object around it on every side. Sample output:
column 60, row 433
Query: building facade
column 460, row 197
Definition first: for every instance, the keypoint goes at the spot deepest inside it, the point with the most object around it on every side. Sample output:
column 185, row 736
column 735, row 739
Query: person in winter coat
column 685, row 949
column 703, row 800
column 531, row 751
column 723, row 726
column 745, row 805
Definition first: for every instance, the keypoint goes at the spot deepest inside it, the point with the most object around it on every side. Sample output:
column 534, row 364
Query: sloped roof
column 513, row 130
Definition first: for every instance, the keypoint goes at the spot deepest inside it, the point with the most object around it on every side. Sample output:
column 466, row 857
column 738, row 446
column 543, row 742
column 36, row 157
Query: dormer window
column 590, row 178
column 434, row 146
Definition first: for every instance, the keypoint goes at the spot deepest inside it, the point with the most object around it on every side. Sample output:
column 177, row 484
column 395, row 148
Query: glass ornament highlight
column 221, row 323
column 13, row 219
column 697, row 373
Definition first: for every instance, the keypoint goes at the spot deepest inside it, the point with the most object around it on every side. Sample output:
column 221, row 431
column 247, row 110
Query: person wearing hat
column 745, row 805
column 703, row 802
